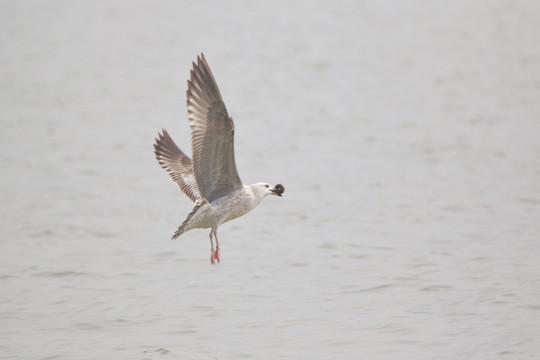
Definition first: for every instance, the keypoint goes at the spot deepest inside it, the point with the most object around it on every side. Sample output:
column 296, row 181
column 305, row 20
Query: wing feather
column 177, row 164
column 212, row 135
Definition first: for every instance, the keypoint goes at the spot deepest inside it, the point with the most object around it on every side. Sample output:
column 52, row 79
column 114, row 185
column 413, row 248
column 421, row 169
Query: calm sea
column 406, row 134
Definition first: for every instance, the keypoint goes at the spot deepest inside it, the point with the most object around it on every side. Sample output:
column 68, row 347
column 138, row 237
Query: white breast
column 236, row 204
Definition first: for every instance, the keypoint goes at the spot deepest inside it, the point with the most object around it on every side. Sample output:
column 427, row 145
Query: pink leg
column 212, row 252
column 217, row 245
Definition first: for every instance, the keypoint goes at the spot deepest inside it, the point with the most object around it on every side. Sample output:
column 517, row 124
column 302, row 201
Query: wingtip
column 161, row 135
column 196, row 66
column 199, row 62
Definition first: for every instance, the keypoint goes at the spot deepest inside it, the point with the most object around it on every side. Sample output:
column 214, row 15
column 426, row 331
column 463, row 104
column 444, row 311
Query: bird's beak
column 278, row 190
column 274, row 192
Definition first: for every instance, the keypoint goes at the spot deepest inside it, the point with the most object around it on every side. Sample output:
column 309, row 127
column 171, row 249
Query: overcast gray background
column 405, row 132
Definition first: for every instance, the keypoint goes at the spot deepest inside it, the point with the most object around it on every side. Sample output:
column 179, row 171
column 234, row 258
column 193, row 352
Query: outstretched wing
column 212, row 135
column 177, row 164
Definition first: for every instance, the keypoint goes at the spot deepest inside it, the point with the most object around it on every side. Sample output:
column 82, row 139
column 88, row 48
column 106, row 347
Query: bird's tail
column 188, row 223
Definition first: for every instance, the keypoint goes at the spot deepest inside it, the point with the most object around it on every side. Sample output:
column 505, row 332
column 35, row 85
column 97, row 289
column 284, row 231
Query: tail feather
column 185, row 225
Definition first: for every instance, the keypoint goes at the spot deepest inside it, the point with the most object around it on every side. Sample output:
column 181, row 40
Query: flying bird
column 210, row 179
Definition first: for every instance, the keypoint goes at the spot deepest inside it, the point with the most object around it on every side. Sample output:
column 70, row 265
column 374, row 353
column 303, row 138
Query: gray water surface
column 407, row 136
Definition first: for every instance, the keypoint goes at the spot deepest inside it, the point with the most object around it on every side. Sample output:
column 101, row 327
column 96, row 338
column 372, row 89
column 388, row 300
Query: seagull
column 210, row 179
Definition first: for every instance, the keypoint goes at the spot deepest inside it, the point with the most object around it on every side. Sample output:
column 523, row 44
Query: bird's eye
column 267, row 186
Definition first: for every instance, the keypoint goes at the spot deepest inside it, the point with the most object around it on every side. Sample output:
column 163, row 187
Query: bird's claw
column 214, row 255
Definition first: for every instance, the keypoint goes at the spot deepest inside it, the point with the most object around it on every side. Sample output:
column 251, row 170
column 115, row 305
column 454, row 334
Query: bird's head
column 265, row 189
